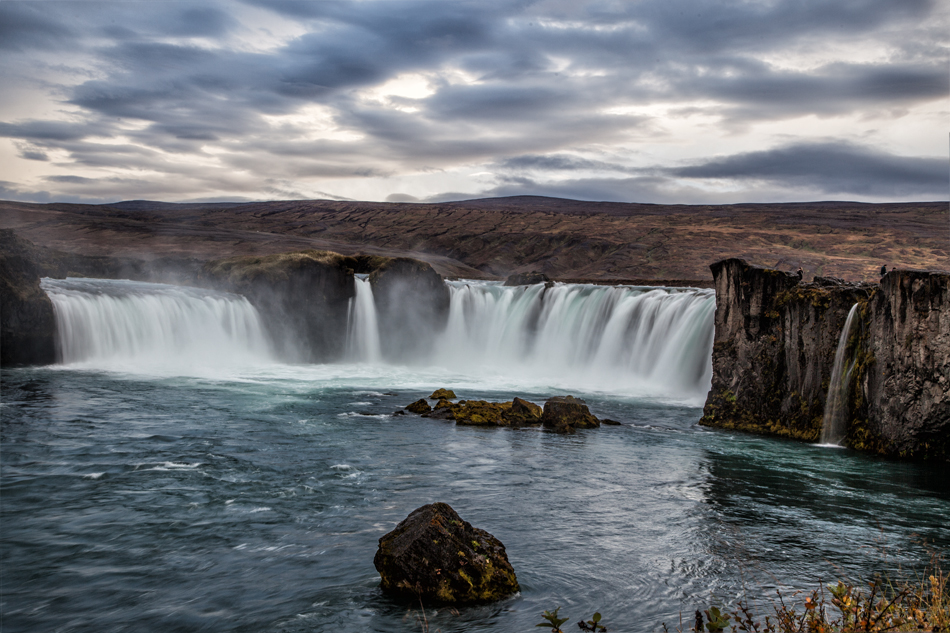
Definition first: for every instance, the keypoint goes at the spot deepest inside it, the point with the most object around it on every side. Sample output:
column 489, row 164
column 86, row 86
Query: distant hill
column 494, row 237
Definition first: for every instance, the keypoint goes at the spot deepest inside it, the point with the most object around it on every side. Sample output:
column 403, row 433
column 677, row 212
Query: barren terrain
column 494, row 237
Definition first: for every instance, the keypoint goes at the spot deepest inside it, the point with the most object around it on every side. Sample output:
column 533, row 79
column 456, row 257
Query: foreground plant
column 877, row 607
column 555, row 622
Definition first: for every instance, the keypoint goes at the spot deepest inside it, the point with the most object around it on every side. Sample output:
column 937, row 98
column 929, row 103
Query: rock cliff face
column 412, row 302
column 27, row 325
column 906, row 382
column 303, row 298
column 775, row 343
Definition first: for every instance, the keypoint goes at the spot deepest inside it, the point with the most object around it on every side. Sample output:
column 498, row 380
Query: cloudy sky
column 681, row 101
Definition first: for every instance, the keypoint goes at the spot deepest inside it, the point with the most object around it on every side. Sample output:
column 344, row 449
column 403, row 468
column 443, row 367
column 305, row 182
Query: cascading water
column 121, row 324
column 362, row 337
column 834, row 424
column 638, row 341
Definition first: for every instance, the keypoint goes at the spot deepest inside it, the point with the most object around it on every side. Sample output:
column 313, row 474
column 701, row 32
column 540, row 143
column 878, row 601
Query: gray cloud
column 830, row 167
column 170, row 82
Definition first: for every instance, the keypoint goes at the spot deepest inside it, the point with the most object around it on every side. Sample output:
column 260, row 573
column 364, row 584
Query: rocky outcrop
column 774, row 349
column 902, row 387
column 27, row 323
column 516, row 413
column 412, row 304
column 435, row 556
column 565, row 414
column 562, row 414
column 439, row 394
column 526, row 279
column 302, row 296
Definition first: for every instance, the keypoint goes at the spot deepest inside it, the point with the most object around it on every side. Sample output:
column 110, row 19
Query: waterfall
column 635, row 340
column 131, row 325
column 834, row 425
column 362, row 337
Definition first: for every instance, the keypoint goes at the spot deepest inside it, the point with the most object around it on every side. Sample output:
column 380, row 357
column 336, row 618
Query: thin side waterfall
column 131, row 325
column 638, row 340
column 362, row 338
column 834, row 425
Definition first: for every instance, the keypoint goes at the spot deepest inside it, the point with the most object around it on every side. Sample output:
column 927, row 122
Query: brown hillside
column 498, row 236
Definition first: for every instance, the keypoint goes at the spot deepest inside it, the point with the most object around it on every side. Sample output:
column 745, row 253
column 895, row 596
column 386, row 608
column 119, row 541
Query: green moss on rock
column 435, row 556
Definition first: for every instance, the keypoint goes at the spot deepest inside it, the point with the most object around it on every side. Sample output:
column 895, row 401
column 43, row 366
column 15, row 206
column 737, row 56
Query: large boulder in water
column 435, row 556
column 27, row 324
column 565, row 414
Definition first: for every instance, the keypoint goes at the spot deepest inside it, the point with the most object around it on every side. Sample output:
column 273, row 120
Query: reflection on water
column 255, row 503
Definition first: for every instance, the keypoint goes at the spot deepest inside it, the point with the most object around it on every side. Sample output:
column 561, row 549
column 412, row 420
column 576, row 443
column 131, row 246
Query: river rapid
column 218, row 489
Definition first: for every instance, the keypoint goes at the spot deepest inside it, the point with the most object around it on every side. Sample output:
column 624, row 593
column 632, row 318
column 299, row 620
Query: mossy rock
column 481, row 413
column 439, row 394
column 419, row 406
column 435, row 556
column 565, row 414
column 522, row 413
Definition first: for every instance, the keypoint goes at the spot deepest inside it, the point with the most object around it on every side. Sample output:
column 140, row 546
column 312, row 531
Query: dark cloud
column 831, row 167
column 29, row 25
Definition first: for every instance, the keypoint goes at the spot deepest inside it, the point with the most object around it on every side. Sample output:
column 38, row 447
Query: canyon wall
column 776, row 338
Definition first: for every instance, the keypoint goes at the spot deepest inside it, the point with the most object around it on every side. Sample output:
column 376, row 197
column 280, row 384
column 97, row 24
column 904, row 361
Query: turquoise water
column 252, row 500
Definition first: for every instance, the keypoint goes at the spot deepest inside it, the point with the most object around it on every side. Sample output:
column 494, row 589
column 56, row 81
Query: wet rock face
column 302, row 296
column 774, row 350
column 436, row 556
column 907, row 387
column 565, row 414
column 412, row 303
column 27, row 324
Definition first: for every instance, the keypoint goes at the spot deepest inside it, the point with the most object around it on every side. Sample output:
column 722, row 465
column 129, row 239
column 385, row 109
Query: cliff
column 774, row 349
column 906, row 383
column 27, row 325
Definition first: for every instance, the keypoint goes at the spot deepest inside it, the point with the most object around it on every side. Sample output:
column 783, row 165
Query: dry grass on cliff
column 271, row 267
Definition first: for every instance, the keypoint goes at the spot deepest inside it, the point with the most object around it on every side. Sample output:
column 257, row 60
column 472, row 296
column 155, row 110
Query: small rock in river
column 419, row 406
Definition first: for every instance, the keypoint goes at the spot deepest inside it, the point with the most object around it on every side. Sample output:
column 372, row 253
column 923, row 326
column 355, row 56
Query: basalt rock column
column 905, row 370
